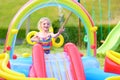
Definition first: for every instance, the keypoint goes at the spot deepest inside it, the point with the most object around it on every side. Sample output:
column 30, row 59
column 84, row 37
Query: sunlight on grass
column 1, row 48
column 21, row 49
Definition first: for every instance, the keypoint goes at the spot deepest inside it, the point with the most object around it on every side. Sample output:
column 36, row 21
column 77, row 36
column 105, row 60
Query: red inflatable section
column 76, row 62
column 111, row 66
column 38, row 68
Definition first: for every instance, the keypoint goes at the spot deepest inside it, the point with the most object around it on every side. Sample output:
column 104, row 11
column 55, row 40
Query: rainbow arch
column 34, row 5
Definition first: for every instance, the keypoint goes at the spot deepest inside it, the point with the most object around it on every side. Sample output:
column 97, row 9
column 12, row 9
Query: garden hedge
column 70, row 34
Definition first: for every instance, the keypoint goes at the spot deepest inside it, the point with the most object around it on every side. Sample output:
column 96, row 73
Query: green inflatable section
column 34, row 5
column 112, row 41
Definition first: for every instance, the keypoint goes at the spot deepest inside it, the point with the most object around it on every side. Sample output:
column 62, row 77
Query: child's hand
column 61, row 30
column 35, row 39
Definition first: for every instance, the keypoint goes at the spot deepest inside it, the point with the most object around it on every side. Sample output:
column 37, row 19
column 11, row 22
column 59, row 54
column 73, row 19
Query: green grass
column 21, row 49
column 93, row 7
column 1, row 48
column 10, row 7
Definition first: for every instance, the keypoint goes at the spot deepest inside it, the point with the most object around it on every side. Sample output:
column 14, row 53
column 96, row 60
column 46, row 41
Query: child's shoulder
column 51, row 33
column 38, row 32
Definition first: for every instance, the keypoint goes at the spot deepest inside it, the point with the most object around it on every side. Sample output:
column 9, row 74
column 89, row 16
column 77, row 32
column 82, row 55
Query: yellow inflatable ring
column 51, row 29
column 58, row 44
column 28, row 37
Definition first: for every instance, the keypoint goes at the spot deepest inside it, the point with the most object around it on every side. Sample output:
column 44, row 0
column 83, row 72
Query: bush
column 103, row 32
column 70, row 34
column 3, row 33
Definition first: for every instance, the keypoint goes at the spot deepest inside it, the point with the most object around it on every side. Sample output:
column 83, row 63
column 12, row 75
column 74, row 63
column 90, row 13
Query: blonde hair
column 41, row 20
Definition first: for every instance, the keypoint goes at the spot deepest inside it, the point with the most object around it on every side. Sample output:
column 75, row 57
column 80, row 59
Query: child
column 44, row 37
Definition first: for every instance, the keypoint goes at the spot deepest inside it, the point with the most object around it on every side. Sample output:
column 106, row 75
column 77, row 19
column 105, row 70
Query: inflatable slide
column 38, row 67
column 57, row 68
column 7, row 74
column 112, row 41
column 76, row 61
column 112, row 62
column 113, row 78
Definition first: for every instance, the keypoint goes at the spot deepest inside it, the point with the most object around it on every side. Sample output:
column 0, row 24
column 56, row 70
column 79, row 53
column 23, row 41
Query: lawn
column 21, row 49
column 10, row 7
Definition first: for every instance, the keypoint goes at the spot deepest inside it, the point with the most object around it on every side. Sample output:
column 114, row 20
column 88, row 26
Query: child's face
column 45, row 25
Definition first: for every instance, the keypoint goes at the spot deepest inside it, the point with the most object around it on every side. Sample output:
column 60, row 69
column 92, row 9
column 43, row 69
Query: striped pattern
column 46, row 42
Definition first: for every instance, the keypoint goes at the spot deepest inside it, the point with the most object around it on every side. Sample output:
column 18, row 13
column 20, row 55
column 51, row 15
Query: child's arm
column 58, row 33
